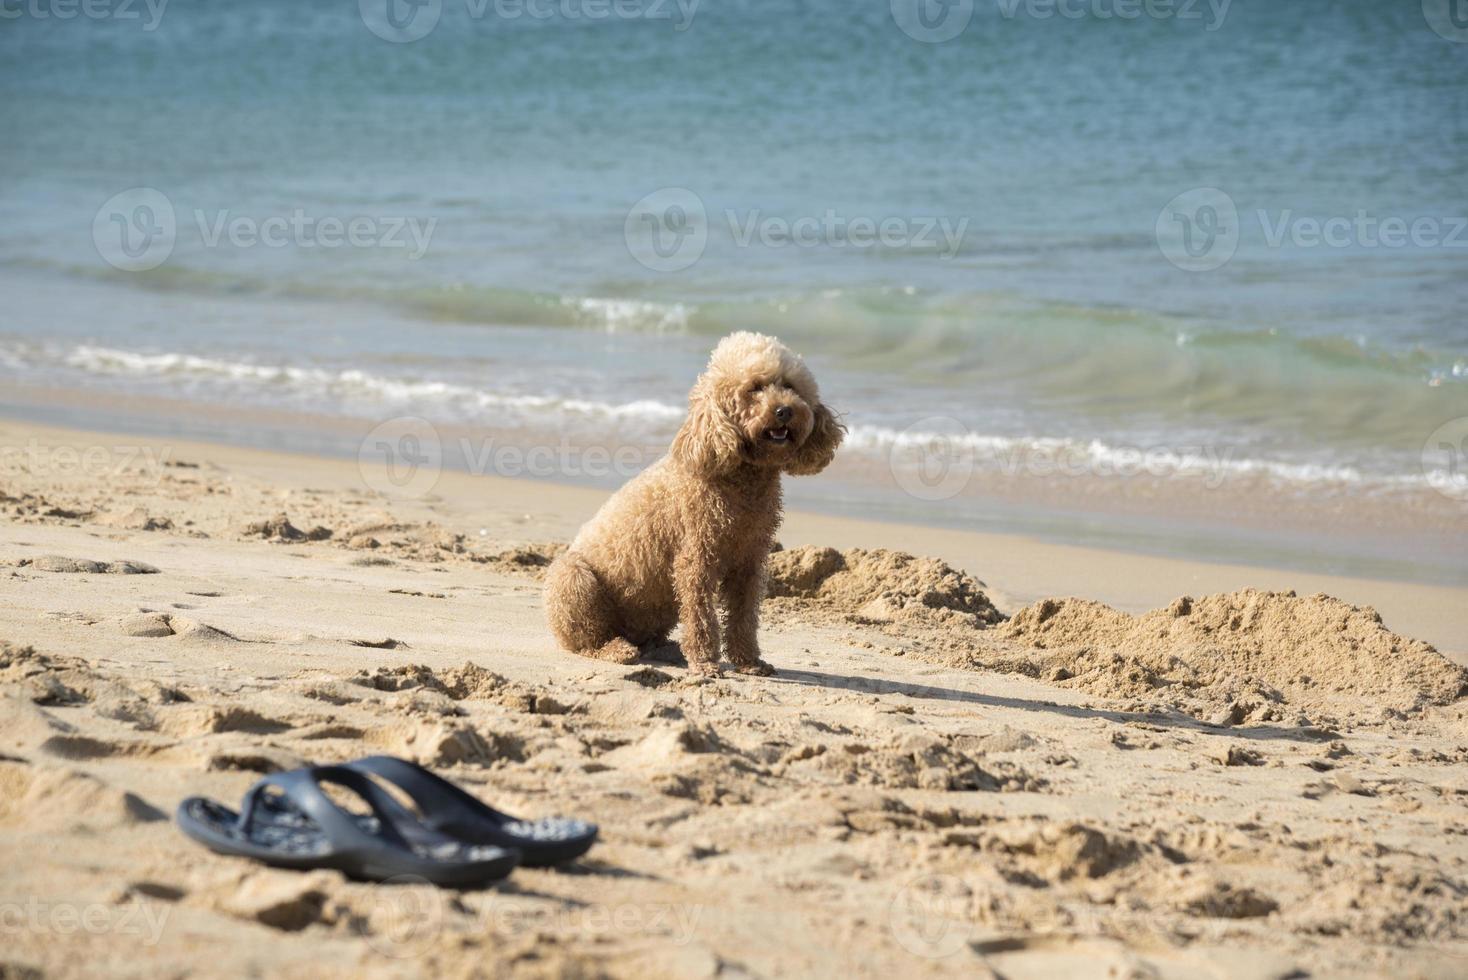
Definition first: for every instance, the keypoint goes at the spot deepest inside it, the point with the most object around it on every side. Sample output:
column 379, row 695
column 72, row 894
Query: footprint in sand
column 147, row 623
column 262, row 759
column 58, row 563
column 69, row 617
column 385, row 644
column 190, row 720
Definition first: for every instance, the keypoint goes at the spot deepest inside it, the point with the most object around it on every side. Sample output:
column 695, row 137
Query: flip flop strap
column 303, row 788
column 440, row 801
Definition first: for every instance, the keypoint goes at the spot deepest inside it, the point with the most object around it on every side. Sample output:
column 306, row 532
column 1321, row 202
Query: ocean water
column 1131, row 261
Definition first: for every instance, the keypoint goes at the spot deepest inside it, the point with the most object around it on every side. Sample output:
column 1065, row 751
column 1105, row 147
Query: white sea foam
column 622, row 315
column 1010, row 455
column 1043, row 456
column 358, row 384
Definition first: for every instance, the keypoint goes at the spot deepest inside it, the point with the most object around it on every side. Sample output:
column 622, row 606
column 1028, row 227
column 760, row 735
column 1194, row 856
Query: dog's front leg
column 698, row 612
column 742, row 590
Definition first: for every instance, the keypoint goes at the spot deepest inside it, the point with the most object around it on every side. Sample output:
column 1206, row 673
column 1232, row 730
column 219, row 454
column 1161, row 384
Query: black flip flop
column 287, row 821
column 449, row 810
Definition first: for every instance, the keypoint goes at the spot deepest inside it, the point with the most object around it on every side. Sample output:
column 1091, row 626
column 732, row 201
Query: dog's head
column 756, row 404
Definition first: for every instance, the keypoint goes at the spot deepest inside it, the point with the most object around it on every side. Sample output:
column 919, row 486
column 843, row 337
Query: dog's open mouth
column 780, row 435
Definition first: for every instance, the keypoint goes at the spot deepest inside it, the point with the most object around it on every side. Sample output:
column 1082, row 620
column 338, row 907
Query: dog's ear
column 820, row 446
column 709, row 441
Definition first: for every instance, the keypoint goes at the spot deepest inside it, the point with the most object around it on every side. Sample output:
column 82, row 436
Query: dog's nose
column 782, row 414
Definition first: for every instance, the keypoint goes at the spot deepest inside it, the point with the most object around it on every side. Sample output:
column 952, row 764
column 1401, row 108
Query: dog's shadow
column 1169, row 719
column 667, row 652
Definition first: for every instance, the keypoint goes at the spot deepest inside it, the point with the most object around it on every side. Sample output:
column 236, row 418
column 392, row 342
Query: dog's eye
column 756, row 388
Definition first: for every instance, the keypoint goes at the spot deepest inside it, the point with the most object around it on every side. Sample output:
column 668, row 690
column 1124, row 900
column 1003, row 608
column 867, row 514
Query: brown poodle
column 693, row 531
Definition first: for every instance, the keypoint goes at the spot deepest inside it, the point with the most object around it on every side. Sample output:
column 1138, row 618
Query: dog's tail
column 580, row 612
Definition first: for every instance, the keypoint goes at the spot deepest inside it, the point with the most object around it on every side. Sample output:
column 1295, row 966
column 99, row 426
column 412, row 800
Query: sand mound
column 470, row 682
column 915, row 761
column 881, row 586
column 422, row 542
column 527, row 558
column 1062, row 851
column 432, row 543
column 447, row 742
column 136, row 519
column 1260, row 649
column 37, row 797
column 51, row 681
column 280, row 528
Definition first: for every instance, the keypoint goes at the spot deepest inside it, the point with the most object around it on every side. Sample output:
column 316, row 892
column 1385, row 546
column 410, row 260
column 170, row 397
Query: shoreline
column 1049, row 481
column 1017, row 569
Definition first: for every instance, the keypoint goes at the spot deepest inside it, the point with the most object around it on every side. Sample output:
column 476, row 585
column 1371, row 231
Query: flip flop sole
column 298, row 844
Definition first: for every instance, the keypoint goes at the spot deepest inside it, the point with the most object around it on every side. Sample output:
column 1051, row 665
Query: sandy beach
column 958, row 768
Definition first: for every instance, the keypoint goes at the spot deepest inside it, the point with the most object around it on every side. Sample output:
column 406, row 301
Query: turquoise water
column 532, row 190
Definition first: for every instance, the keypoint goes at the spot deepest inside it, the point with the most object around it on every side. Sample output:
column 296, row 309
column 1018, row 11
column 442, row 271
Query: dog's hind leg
column 581, row 614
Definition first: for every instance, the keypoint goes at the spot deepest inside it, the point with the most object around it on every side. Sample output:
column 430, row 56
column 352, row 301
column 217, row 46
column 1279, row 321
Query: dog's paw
column 757, row 669
column 705, row 669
